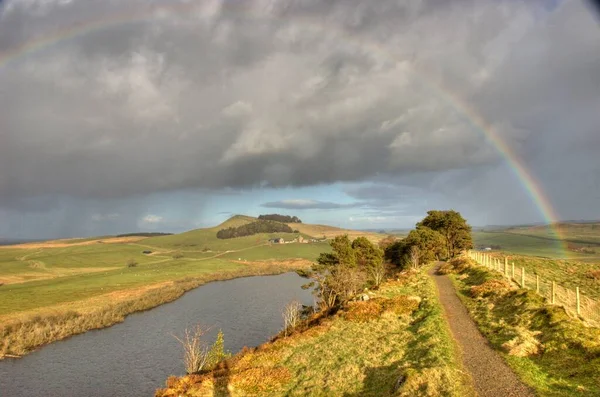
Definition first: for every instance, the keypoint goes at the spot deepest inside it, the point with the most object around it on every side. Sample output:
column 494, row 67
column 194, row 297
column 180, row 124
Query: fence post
column 522, row 277
column 578, row 301
column 506, row 266
column 513, row 270
column 553, row 292
column 537, row 283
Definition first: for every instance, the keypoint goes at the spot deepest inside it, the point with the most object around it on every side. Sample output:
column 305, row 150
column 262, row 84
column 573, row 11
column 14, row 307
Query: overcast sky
column 167, row 115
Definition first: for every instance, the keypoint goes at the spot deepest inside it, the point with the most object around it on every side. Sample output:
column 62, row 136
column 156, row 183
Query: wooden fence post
column 537, row 283
column 522, row 277
column 578, row 301
column 553, row 292
column 506, row 266
column 513, row 270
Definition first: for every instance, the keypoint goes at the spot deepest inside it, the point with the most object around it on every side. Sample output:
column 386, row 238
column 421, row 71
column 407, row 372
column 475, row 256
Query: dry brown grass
column 364, row 311
column 319, row 231
column 524, row 344
column 402, row 305
column 374, row 308
column 594, row 274
column 73, row 243
column 291, row 263
column 490, row 287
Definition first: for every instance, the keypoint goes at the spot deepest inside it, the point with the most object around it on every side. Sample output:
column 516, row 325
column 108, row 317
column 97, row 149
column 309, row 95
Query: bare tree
column 291, row 316
column 196, row 351
column 377, row 271
column 415, row 255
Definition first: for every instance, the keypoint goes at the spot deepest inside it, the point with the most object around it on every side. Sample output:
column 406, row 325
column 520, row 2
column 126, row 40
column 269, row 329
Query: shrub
column 177, row 255
column 195, row 352
column 445, row 268
column 131, row 263
column 217, row 352
column 460, row 264
column 291, row 316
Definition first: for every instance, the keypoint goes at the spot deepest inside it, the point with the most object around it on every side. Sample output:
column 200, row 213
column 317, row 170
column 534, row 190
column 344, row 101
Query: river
column 135, row 357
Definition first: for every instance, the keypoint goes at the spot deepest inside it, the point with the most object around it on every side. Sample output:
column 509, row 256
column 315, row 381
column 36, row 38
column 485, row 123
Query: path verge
column 491, row 376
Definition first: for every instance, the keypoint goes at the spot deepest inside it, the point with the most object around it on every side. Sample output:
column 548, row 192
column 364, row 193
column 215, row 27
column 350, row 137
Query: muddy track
column 491, row 375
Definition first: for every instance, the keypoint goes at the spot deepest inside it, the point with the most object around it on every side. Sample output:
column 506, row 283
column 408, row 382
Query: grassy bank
column 396, row 343
column 26, row 332
column 553, row 353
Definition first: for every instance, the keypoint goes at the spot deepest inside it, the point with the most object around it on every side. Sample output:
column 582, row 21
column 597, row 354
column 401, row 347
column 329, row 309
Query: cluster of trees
column 144, row 234
column 348, row 269
column 249, row 229
column 352, row 266
column 441, row 234
column 280, row 218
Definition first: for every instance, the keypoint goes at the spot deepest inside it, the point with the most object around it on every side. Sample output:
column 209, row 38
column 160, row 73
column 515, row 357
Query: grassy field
column 582, row 233
column 389, row 345
column 525, row 244
column 47, row 279
column 552, row 352
column 320, row 231
column 308, row 251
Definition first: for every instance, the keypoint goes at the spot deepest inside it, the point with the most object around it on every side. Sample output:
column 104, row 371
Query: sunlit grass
column 379, row 353
column 567, row 360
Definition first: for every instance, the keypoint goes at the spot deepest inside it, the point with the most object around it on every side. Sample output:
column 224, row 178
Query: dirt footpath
column 491, row 375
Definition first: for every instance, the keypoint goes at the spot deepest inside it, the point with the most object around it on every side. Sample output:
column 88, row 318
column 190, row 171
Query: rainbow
column 461, row 107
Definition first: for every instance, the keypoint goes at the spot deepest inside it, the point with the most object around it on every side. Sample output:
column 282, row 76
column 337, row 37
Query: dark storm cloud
column 303, row 204
column 235, row 95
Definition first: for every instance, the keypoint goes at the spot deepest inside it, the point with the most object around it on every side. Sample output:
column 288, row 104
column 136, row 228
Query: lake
column 136, row 357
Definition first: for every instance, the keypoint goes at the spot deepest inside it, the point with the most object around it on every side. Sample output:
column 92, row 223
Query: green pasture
column 41, row 293
column 308, row 251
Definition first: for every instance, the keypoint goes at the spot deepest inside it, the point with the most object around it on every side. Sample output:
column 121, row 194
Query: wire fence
column 574, row 301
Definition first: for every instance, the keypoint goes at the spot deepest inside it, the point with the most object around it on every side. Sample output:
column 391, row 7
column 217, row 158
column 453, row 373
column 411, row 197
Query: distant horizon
column 6, row 240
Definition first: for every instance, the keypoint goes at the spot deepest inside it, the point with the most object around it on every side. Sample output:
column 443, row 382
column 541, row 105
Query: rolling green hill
column 53, row 289
column 206, row 239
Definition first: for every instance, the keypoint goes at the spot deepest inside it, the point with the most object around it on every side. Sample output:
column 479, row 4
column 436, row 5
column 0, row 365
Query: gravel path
column 491, row 376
